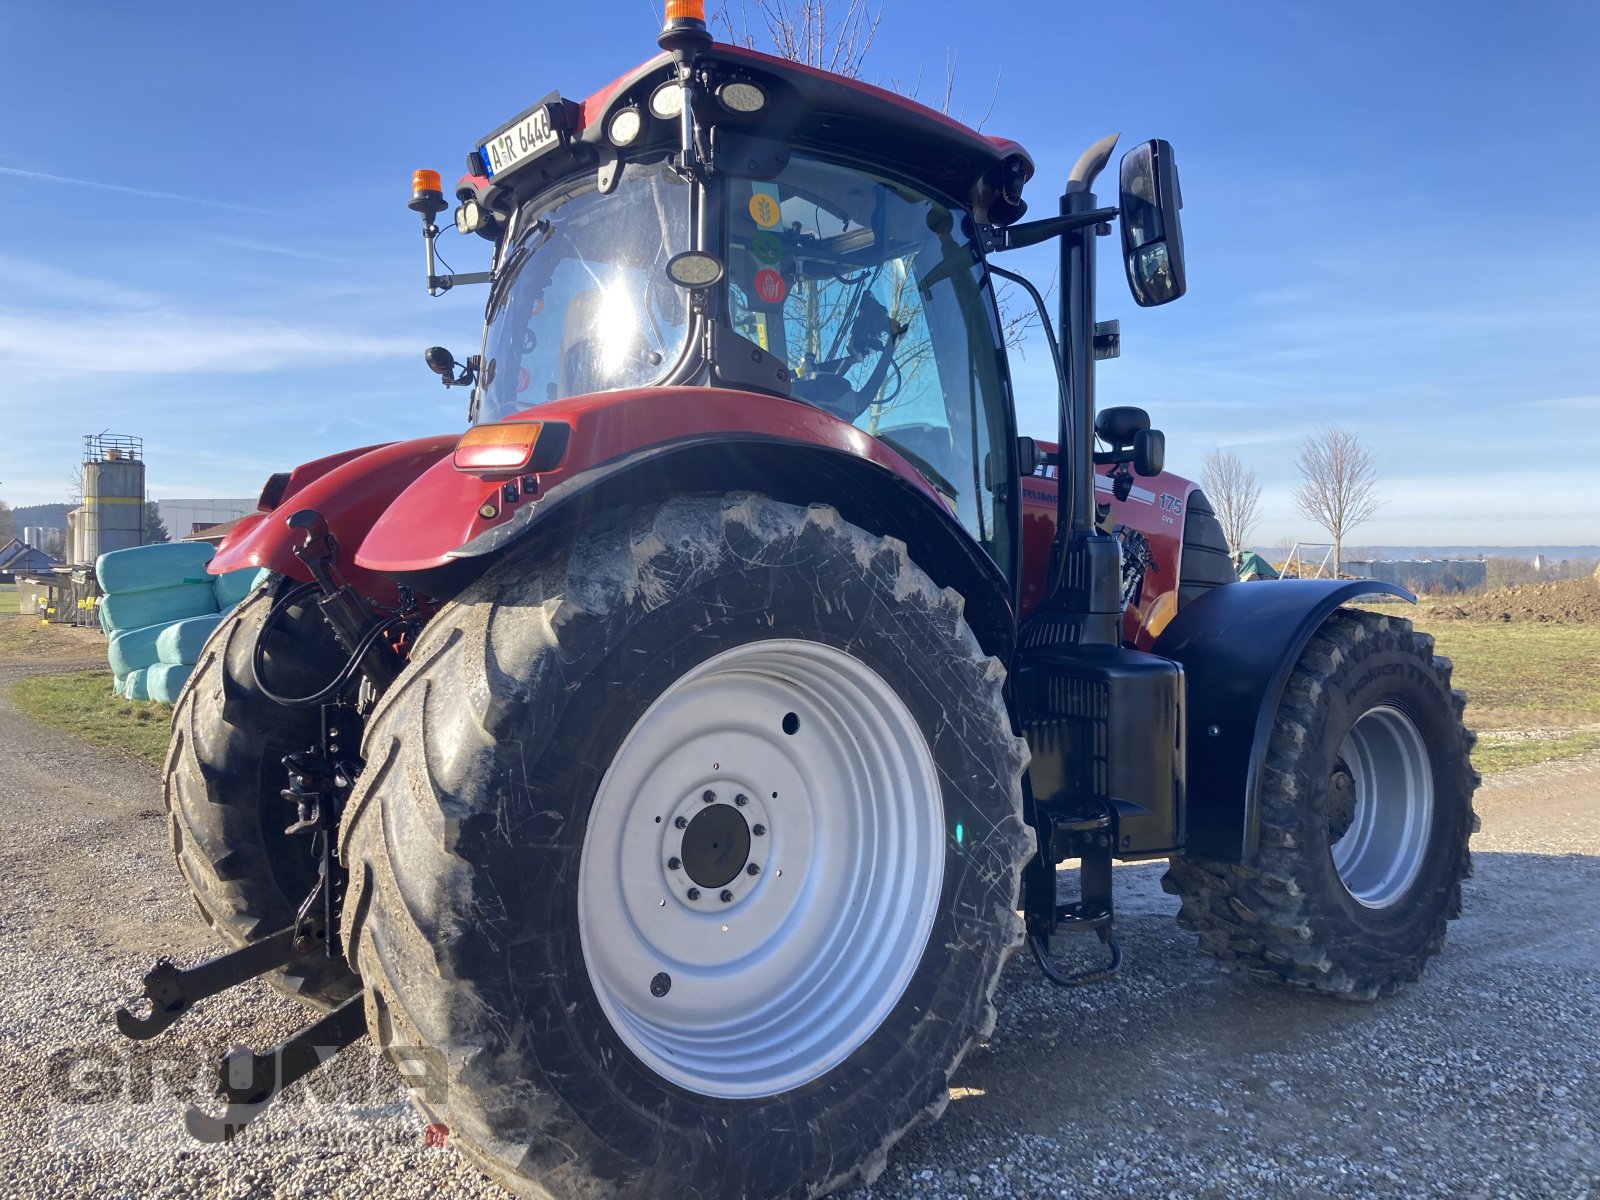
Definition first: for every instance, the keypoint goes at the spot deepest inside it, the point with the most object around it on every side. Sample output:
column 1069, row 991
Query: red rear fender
column 445, row 508
column 352, row 491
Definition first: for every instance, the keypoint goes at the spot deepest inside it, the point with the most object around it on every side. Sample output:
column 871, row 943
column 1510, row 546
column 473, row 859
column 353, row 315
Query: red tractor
column 674, row 758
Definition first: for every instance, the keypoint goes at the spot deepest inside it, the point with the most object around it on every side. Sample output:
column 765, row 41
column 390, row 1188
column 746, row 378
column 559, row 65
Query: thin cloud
column 1569, row 403
column 123, row 189
column 173, row 342
column 45, row 283
column 285, row 251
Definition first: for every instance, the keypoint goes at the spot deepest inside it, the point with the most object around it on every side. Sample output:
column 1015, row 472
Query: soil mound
column 1565, row 602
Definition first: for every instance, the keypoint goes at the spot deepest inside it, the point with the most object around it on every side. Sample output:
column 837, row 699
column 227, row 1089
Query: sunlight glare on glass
column 618, row 328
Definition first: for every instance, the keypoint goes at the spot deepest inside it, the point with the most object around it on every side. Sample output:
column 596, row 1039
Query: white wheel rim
column 781, row 982
column 1379, row 856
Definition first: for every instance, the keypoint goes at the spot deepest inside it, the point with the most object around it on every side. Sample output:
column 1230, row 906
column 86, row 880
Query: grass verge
column 1533, row 690
column 8, row 598
column 1496, row 751
column 82, row 703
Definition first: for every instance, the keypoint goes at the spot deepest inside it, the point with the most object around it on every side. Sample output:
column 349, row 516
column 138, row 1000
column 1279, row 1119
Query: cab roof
column 808, row 109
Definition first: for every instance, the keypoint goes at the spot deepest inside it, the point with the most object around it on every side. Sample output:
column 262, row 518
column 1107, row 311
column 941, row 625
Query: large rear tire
column 1366, row 811
column 224, row 776
column 687, row 855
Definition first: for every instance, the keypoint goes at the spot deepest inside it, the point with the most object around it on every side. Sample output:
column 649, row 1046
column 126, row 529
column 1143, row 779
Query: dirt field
column 1569, row 602
column 1174, row 1079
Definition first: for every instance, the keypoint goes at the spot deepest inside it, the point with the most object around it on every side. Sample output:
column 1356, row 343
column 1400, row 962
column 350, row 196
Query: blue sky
column 1390, row 220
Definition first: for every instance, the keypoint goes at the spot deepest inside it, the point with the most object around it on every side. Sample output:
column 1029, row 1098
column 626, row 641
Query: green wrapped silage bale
column 134, row 687
column 164, row 681
column 234, row 586
column 157, row 606
column 134, row 649
column 142, row 568
column 179, row 643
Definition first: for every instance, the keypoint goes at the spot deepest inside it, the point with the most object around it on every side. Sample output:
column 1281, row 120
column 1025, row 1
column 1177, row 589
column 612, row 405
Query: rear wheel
column 224, row 774
column 688, row 854
column 1366, row 810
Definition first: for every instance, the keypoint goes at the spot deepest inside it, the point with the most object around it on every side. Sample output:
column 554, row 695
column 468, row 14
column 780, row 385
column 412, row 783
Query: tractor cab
column 806, row 238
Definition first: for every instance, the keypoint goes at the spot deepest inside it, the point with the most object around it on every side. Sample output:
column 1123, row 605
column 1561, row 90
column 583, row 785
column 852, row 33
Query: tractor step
column 248, row 1082
column 172, row 990
column 1089, row 838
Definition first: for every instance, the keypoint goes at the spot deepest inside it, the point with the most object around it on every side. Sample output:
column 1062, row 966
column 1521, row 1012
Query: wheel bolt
column 674, row 863
column 741, row 799
column 759, row 830
column 753, row 869
column 694, row 893
column 680, row 822
column 727, row 896
column 708, row 796
column 661, row 985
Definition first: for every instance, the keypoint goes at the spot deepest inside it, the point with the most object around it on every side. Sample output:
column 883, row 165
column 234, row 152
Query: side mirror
column 1149, row 452
column 1152, row 238
column 1118, row 427
column 1029, row 457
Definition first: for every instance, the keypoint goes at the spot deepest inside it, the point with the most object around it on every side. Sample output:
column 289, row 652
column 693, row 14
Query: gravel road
column 1173, row 1080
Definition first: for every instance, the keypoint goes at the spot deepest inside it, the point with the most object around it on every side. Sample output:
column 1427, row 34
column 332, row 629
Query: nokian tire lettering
column 1288, row 917
column 463, row 842
column 224, row 776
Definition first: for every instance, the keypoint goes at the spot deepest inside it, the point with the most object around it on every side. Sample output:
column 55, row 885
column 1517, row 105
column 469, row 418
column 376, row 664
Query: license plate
column 520, row 141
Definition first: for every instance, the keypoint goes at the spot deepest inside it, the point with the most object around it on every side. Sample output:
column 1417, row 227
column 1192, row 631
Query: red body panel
column 440, row 510
column 309, row 472
column 1153, row 511
column 351, row 494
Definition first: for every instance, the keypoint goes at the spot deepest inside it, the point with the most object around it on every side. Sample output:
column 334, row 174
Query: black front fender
column 1238, row 646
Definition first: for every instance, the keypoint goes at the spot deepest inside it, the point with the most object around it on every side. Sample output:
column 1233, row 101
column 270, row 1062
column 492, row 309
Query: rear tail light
column 511, row 447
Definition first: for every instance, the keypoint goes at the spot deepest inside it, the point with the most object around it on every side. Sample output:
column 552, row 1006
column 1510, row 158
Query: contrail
column 41, row 177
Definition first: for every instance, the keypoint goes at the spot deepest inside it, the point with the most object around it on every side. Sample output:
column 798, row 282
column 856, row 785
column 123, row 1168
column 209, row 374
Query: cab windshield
column 875, row 296
column 582, row 302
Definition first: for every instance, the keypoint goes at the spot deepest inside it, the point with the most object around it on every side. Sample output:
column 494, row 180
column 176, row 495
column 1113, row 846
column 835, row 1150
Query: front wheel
column 1366, row 811
column 687, row 851
column 224, row 786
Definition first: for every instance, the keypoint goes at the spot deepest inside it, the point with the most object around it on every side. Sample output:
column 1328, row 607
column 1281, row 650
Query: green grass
column 1524, row 676
column 8, row 598
column 83, row 704
column 1541, row 681
column 1495, row 752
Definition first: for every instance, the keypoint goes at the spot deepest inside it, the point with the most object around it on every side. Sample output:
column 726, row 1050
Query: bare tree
column 1339, row 483
column 832, row 38
column 1235, row 496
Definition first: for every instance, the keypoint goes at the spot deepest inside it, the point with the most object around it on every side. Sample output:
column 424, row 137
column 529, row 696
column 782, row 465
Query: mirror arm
column 1016, row 237
column 439, row 284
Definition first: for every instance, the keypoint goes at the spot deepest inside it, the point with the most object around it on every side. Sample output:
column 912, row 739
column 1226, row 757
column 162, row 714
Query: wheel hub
column 1380, row 835
column 1341, row 801
column 716, row 846
column 761, row 869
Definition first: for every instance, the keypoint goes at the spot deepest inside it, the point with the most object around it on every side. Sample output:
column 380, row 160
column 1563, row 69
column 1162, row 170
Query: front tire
column 1366, row 811
column 224, row 776
column 550, row 851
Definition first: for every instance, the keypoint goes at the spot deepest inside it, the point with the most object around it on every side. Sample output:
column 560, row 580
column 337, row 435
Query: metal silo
column 75, row 537
column 113, row 494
